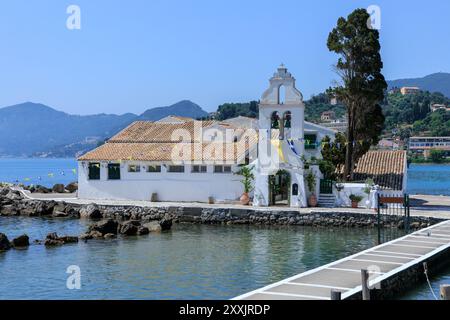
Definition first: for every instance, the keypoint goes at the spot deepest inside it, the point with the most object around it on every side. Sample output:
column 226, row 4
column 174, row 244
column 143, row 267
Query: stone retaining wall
column 12, row 203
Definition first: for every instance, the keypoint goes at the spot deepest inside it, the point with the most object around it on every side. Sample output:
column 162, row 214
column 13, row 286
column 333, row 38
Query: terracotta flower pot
column 312, row 200
column 355, row 204
column 245, row 199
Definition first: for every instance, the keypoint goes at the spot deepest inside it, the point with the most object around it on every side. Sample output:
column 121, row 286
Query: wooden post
column 335, row 295
column 406, row 205
column 378, row 219
column 445, row 292
column 365, row 284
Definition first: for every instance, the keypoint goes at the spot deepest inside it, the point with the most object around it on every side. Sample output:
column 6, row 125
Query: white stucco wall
column 185, row 186
column 342, row 197
column 343, row 200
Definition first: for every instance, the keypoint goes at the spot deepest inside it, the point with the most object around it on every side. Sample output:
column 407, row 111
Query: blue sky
column 133, row 55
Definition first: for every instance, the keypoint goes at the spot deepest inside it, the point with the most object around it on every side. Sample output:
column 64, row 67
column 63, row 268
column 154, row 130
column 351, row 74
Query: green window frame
column 310, row 141
column 113, row 171
column 222, row 169
column 94, row 171
column 176, row 169
column 199, row 169
column 134, row 168
column 153, row 168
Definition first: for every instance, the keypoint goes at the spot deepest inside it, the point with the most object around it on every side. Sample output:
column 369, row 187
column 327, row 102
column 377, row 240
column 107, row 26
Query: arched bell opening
column 275, row 120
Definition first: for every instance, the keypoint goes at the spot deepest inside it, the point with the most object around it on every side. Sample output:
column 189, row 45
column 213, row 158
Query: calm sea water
column 190, row 262
column 46, row 172
column 429, row 179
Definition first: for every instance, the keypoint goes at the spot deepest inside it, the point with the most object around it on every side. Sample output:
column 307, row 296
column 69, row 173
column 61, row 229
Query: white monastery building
column 182, row 159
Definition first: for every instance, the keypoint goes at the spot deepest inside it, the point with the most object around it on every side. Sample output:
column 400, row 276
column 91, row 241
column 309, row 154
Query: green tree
column 328, row 169
column 406, row 109
column 334, row 151
column 233, row 110
column 362, row 85
column 435, row 124
column 315, row 106
column 437, row 155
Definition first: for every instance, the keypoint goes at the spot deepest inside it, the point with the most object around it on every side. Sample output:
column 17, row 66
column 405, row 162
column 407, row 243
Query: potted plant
column 247, row 173
column 355, row 200
column 311, row 183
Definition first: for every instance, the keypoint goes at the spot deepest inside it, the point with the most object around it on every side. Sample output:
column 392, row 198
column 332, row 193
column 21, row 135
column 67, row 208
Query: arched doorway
column 279, row 188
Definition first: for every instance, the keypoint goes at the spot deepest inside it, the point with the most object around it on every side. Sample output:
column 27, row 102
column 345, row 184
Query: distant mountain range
column 33, row 129
column 436, row 82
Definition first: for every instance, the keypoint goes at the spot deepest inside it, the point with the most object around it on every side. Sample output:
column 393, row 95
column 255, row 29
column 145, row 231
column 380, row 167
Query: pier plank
column 303, row 290
column 385, row 257
column 269, row 296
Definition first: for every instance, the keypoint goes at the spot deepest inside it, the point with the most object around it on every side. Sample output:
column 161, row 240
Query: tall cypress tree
column 362, row 85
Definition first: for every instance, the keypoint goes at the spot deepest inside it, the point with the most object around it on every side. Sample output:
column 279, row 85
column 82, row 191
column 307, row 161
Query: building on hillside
column 388, row 144
column 409, row 90
column 339, row 125
column 328, row 116
column 182, row 159
column 424, row 145
column 436, row 107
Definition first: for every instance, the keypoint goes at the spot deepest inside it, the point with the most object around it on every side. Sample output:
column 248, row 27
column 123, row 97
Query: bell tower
column 282, row 106
column 280, row 140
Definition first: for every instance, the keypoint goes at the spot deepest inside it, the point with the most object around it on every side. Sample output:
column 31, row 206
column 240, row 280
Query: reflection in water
column 190, row 262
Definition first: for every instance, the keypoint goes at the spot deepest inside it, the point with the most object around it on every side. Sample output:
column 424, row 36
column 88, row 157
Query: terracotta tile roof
column 183, row 118
column 386, row 168
column 151, row 141
column 146, row 131
column 175, row 119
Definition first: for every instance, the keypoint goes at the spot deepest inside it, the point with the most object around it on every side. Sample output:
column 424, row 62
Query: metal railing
column 393, row 214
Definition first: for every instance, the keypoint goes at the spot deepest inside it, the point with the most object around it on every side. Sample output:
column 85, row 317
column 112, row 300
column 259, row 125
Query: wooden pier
column 383, row 264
